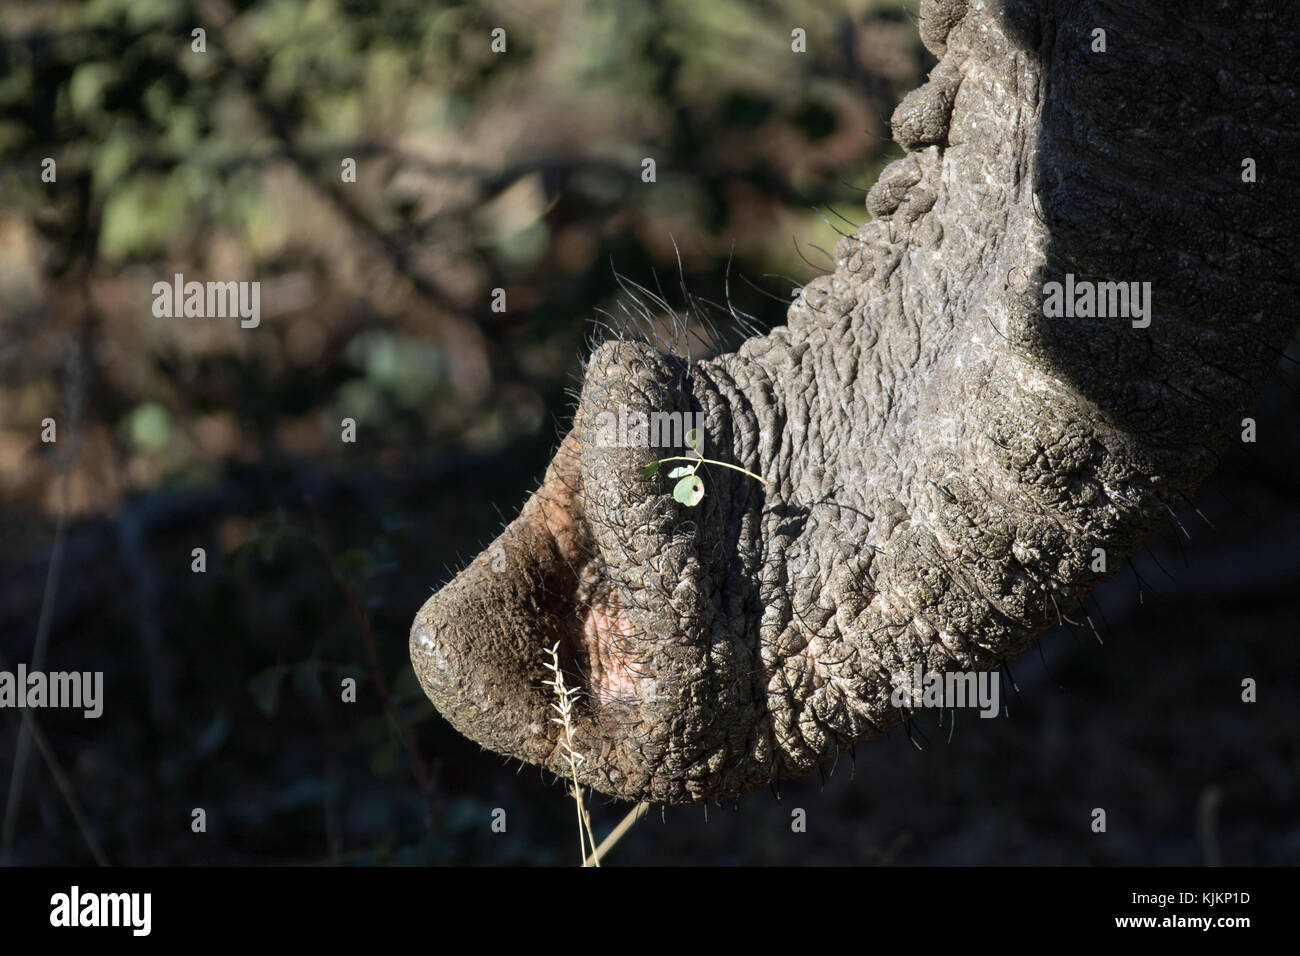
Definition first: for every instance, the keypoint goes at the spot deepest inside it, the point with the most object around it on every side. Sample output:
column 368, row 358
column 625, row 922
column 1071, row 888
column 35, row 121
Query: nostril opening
column 611, row 648
column 599, row 646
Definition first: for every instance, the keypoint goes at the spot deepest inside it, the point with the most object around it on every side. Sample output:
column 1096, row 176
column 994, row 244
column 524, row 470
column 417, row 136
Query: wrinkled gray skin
column 943, row 459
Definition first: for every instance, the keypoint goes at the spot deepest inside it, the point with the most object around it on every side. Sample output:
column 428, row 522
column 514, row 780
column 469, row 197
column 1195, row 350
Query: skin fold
column 944, row 461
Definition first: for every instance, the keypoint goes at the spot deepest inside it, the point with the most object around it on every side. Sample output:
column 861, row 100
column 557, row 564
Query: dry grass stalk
column 563, row 705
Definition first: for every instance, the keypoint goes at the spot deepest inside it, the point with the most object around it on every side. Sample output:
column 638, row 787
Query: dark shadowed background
column 478, row 171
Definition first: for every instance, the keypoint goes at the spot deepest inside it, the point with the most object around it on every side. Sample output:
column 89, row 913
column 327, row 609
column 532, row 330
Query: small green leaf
column 679, row 471
column 649, row 470
column 689, row 490
column 693, row 439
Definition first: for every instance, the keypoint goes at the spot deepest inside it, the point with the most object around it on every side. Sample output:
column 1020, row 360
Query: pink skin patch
column 607, row 633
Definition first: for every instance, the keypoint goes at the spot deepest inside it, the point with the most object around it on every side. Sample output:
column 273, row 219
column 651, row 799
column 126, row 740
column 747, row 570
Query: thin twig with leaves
column 689, row 489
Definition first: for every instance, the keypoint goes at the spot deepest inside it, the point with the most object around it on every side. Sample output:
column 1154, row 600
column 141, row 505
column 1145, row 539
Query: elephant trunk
column 1071, row 289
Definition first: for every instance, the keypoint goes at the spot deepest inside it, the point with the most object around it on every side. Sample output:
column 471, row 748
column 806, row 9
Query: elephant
column 1071, row 288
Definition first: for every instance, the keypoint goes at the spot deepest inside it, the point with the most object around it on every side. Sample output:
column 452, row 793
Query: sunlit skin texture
column 944, row 463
